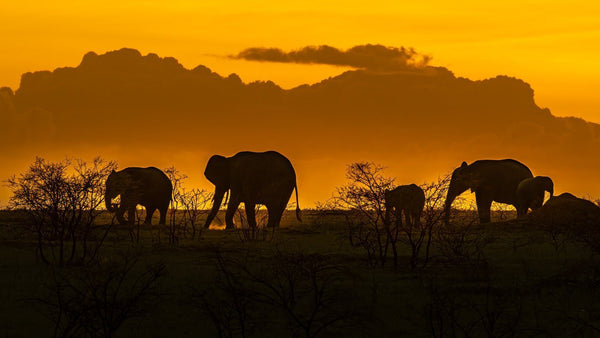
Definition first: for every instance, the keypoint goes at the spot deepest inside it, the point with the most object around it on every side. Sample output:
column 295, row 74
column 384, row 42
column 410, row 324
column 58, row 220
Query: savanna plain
column 330, row 275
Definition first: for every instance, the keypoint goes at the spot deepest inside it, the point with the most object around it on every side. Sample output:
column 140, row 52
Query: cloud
column 371, row 57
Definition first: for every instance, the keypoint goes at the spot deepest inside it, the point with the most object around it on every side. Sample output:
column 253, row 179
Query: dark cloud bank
column 420, row 123
column 372, row 57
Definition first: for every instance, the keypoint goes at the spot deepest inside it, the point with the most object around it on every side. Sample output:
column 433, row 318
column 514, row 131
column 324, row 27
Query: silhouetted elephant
column 253, row 178
column 491, row 181
column 149, row 187
column 568, row 210
column 530, row 192
column 409, row 199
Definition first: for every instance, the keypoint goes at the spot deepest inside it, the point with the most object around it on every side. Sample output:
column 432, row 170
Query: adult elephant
column 531, row 191
column 491, row 181
column 409, row 199
column 149, row 187
column 266, row 178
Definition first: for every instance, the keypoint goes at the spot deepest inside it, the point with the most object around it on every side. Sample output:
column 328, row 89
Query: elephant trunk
column 448, row 204
column 107, row 202
column 386, row 215
column 217, row 199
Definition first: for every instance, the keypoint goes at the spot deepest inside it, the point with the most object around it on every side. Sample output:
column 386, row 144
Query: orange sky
column 553, row 45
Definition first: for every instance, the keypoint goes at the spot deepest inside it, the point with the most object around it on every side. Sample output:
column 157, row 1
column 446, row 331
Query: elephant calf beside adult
column 409, row 199
column 149, row 187
column 266, row 178
column 491, row 181
column 531, row 191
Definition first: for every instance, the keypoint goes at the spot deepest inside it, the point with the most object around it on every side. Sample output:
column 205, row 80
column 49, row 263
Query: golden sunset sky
column 552, row 45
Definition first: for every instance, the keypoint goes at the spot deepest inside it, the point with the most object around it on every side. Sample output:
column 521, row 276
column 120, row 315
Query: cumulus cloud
column 372, row 57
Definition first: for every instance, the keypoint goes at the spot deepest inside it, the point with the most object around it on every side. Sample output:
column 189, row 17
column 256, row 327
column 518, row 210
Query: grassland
column 506, row 279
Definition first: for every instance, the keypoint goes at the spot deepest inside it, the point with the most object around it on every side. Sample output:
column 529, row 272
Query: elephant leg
column 119, row 214
column 398, row 217
column 149, row 213
column 232, row 207
column 416, row 217
column 163, row 214
column 419, row 214
column 251, row 214
column 407, row 219
column 131, row 215
column 484, row 204
column 275, row 213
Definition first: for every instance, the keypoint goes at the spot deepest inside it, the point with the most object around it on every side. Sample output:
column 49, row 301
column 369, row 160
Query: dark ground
column 503, row 279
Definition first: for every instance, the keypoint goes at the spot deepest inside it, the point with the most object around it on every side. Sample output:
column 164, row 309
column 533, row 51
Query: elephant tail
column 297, row 205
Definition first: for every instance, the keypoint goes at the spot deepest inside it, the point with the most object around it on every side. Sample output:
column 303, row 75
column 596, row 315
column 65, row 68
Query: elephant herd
column 268, row 178
column 504, row 181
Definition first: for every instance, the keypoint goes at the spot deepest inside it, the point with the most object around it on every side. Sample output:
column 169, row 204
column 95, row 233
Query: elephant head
column 217, row 172
column 114, row 188
column 530, row 192
column 463, row 178
column 547, row 184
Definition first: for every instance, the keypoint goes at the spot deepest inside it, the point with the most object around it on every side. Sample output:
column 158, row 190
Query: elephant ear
column 217, row 171
column 475, row 182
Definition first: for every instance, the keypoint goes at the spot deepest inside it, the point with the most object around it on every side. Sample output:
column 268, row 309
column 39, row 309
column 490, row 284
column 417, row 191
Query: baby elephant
column 530, row 192
column 407, row 198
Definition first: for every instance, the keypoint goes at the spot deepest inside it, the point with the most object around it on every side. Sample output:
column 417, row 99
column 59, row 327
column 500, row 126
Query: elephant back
column 148, row 180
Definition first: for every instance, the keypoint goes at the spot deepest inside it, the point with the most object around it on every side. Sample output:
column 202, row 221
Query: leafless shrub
column 175, row 226
column 462, row 241
column 363, row 201
column 63, row 200
column 194, row 204
column 566, row 304
column 229, row 304
column 247, row 233
column 503, row 211
column 486, row 311
column 187, row 207
column 307, row 289
column 95, row 301
column 417, row 235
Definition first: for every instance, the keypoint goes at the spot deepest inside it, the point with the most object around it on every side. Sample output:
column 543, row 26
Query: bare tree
column 362, row 200
column 187, row 206
column 309, row 290
column 63, row 200
column 95, row 301
column 194, row 204
column 420, row 234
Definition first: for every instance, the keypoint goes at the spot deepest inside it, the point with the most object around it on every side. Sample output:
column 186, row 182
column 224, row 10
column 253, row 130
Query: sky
column 552, row 45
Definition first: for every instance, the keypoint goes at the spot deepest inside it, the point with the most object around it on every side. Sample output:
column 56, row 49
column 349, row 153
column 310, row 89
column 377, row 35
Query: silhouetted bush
column 63, row 200
column 306, row 294
column 247, row 233
column 363, row 200
column 419, row 235
column 462, row 242
column 187, row 206
column 485, row 311
column 95, row 301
